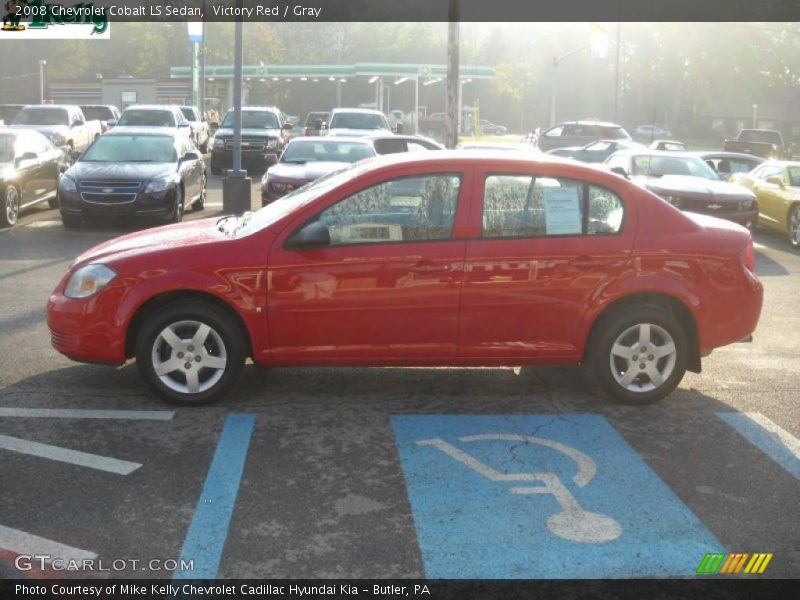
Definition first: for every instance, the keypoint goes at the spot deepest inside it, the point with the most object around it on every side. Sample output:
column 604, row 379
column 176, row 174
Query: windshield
column 101, row 113
column 42, row 116
column 300, row 197
column 614, row 133
column 766, row 137
column 253, row 119
column 131, row 148
column 358, row 121
column 7, row 113
column 322, row 116
column 299, row 152
column 147, row 118
column 188, row 114
column 650, row 165
column 6, row 148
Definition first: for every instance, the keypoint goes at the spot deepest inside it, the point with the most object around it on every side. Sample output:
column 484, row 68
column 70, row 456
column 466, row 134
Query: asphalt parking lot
column 439, row 473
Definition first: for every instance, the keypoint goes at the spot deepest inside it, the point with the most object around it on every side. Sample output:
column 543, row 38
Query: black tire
column 200, row 203
column 793, row 226
column 71, row 221
column 604, row 366
column 177, row 210
column 174, row 314
column 10, row 203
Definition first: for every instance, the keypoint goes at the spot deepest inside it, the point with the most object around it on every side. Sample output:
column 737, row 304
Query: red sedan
column 437, row 259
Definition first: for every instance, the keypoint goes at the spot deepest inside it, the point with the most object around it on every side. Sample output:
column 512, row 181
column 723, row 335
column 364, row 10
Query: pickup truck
column 63, row 124
column 758, row 142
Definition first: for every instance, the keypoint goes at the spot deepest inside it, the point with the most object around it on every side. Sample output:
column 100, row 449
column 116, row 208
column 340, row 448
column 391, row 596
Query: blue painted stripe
column 769, row 442
column 480, row 492
column 206, row 537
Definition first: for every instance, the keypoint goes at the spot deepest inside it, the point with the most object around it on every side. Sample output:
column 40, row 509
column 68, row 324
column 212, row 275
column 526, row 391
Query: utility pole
column 453, row 108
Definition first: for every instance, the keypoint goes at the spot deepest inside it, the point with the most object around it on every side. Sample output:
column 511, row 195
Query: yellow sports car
column 776, row 184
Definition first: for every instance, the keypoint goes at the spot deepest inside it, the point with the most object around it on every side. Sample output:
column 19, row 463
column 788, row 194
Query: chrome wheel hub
column 643, row 357
column 12, row 205
column 189, row 357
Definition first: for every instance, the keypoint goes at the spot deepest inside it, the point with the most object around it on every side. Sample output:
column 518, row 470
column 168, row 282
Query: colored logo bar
column 727, row 564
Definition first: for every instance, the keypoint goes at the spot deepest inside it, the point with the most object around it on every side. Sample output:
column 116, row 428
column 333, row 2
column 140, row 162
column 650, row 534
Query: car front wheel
column 11, row 205
column 639, row 355
column 794, row 226
column 190, row 353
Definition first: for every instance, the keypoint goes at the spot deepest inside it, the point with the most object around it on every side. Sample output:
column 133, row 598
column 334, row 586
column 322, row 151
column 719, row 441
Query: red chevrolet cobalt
column 448, row 259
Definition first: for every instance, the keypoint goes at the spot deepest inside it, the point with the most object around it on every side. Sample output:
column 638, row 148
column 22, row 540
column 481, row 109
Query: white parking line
column 27, row 544
column 75, row 457
column 41, row 224
column 77, row 413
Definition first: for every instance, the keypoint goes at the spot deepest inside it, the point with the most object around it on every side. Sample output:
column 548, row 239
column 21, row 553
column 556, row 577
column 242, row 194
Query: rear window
column 316, row 115
column 614, row 133
column 42, row 116
column 147, row 118
column 766, row 137
column 358, row 121
column 300, row 152
column 100, row 113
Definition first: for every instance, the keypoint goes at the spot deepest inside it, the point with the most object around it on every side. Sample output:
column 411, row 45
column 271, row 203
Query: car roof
column 357, row 110
column 273, row 109
column 589, row 122
column 331, row 138
column 139, row 130
column 151, row 107
column 51, row 106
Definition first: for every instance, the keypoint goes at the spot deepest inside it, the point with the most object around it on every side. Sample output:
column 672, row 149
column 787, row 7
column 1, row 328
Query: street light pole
column 42, row 63
column 236, row 186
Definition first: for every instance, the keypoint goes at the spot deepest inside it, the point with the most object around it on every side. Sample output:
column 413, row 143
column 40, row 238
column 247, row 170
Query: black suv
column 264, row 132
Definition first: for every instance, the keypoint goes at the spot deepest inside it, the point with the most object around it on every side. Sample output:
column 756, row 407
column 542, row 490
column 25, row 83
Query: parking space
column 475, row 473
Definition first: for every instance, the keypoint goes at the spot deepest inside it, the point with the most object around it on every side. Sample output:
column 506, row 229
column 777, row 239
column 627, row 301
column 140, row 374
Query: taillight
column 748, row 256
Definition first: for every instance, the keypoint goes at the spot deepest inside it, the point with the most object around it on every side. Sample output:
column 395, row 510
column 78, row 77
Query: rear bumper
column 725, row 322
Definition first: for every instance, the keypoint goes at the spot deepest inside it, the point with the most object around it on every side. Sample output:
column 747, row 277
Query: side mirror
column 111, row 123
column 620, row 171
column 311, row 235
column 270, row 159
column 287, row 126
column 775, row 180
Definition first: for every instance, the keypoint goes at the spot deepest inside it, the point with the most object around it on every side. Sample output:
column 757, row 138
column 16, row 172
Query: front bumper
column 224, row 157
column 85, row 330
column 143, row 205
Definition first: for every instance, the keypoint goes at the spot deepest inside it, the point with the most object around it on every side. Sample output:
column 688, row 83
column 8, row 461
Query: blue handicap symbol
column 540, row 497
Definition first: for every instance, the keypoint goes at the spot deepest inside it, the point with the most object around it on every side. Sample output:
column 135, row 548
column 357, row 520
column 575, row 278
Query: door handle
column 429, row 267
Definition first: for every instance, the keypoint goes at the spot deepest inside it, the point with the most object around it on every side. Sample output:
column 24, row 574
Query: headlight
column 88, row 280
column 158, row 185
column 272, row 143
column 676, row 201
column 56, row 138
column 67, row 184
column 747, row 204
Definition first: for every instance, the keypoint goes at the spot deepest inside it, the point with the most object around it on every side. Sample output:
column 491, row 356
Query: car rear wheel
column 11, row 203
column 190, row 353
column 639, row 355
column 794, row 226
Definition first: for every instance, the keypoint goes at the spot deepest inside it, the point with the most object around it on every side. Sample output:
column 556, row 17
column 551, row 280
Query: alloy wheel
column 12, row 205
column 794, row 227
column 643, row 357
column 189, row 357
